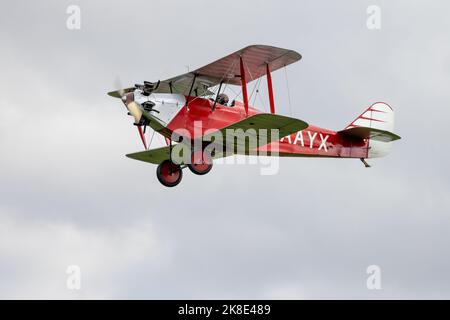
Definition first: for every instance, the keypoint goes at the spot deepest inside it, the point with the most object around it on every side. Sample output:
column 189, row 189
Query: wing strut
column 141, row 133
column 217, row 96
column 244, row 86
column 190, row 90
column 269, row 86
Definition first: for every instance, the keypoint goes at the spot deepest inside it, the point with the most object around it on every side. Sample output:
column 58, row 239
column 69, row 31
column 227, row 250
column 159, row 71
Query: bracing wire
column 151, row 139
column 255, row 88
column 289, row 92
column 262, row 102
column 223, row 77
column 234, row 91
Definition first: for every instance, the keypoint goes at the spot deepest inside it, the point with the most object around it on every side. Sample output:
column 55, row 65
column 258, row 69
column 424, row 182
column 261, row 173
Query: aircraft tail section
column 377, row 122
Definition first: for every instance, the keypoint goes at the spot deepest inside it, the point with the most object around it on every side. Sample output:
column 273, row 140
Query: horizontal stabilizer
column 370, row 133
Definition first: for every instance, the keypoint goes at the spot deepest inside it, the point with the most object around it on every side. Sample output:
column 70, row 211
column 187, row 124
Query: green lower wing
column 284, row 125
column 155, row 156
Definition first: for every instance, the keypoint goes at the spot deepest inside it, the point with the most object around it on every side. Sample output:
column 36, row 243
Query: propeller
column 135, row 110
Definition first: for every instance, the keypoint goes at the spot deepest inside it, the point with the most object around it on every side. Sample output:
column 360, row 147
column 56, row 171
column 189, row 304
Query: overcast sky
column 69, row 196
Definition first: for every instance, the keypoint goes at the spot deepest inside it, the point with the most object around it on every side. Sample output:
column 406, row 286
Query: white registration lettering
column 311, row 138
column 299, row 137
column 288, row 138
column 323, row 142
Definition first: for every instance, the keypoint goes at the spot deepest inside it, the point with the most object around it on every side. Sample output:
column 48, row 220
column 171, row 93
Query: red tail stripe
column 372, row 109
column 366, row 118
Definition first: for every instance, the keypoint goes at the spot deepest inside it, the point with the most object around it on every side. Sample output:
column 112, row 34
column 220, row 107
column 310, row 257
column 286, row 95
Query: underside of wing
column 227, row 70
column 370, row 133
column 182, row 85
column 255, row 58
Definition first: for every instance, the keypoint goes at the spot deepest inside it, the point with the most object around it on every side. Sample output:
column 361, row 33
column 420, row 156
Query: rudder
column 379, row 115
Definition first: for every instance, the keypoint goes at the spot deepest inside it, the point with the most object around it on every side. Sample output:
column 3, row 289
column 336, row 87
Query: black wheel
column 201, row 162
column 169, row 173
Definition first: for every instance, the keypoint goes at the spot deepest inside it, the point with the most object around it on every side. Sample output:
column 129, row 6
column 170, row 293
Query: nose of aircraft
column 134, row 109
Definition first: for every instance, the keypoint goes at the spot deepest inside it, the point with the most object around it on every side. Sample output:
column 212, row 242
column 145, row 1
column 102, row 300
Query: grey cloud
column 69, row 195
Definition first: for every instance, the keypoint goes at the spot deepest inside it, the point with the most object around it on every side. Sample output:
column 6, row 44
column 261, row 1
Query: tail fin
column 378, row 116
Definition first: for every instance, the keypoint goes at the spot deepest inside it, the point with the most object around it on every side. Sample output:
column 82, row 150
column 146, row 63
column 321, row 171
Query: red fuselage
column 310, row 142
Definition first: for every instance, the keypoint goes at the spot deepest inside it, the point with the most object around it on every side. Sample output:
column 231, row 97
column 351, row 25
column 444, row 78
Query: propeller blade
column 120, row 91
column 135, row 111
column 141, row 133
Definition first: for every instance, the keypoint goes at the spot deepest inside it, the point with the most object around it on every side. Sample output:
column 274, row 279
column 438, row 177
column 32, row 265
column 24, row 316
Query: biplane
column 187, row 102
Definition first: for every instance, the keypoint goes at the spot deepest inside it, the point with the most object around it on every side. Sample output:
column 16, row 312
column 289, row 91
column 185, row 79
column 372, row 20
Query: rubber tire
column 163, row 167
column 195, row 170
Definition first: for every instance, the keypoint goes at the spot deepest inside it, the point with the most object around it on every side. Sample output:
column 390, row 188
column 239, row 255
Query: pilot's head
column 222, row 99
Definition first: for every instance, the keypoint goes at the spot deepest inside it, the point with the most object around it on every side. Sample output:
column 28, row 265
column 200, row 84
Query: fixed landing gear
column 169, row 173
column 201, row 162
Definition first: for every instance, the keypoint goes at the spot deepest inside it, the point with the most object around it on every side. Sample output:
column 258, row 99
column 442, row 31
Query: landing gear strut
column 169, row 173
